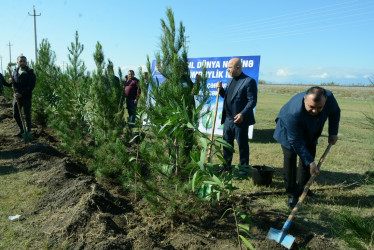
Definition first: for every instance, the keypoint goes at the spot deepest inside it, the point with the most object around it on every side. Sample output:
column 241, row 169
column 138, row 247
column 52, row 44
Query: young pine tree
column 175, row 96
column 48, row 77
column 70, row 122
column 107, row 121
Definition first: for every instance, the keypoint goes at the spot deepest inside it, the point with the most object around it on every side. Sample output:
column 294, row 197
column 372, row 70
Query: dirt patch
column 80, row 212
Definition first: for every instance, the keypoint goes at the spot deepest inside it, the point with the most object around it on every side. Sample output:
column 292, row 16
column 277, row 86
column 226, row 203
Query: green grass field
column 354, row 151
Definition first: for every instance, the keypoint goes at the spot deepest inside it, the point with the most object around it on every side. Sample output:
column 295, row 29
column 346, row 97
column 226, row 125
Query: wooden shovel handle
column 214, row 125
column 18, row 105
column 308, row 184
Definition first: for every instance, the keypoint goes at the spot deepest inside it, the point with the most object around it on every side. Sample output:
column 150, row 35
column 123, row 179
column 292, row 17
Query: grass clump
column 356, row 231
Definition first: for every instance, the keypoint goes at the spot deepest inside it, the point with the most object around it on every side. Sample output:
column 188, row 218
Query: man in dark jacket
column 2, row 83
column 24, row 80
column 299, row 125
column 132, row 91
column 240, row 98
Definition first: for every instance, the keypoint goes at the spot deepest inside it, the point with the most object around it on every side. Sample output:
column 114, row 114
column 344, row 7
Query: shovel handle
column 308, row 184
column 214, row 124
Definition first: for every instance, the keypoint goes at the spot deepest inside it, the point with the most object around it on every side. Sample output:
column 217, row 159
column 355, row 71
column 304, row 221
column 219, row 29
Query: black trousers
column 24, row 103
column 233, row 131
column 290, row 170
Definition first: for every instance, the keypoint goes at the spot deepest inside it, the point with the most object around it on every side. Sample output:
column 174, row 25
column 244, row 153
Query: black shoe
column 19, row 134
column 292, row 201
column 313, row 195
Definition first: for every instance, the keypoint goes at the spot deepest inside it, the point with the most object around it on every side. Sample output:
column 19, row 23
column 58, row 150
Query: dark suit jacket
column 243, row 100
column 296, row 128
column 24, row 83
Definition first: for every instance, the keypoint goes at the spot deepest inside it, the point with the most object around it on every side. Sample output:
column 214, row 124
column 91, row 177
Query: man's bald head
column 235, row 67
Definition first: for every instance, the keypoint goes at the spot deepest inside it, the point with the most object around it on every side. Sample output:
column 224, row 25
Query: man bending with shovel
column 299, row 125
column 23, row 79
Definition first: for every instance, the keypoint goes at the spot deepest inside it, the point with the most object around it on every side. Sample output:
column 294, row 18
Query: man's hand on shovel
column 313, row 168
column 17, row 95
column 219, row 85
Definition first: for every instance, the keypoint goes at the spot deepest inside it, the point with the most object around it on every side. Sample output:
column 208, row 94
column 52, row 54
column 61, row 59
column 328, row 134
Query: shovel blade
column 280, row 236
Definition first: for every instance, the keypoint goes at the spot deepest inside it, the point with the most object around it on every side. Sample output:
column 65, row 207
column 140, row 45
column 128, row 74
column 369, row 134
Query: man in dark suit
column 240, row 98
column 299, row 125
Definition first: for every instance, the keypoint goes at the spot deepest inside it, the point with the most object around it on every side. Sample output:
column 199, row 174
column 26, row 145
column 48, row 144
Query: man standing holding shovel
column 299, row 125
column 23, row 79
column 240, row 98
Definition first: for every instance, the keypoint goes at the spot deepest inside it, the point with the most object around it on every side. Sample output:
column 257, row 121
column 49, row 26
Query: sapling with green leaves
column 213, row 186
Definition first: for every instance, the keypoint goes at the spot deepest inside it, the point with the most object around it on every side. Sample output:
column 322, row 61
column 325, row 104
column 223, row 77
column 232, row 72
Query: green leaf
column 189, row 125
column 201, row 165
column 225, row 212
column 205, row 191
column 248, row 244
column 194, row 178
column 173, row 118
column 210, row 183
column 167, row 169
column 246, row 231
column 194, row 155
column 245, row 228
column 226, row 145
column 204, row 142
column 161, row 131
column 132, row 159
column 202, row 155
column 133, row 138
column 190, row 166
column 244, row 217
column 218, row 181
column 221, row 158
column 159, row 121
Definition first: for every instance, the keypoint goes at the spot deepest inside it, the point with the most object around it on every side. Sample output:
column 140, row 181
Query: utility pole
column 36, row 43
column 1, row 59
column 10, row 52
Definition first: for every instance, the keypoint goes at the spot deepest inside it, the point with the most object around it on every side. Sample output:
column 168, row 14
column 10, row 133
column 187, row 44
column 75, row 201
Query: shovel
column 281, row 236
column 26, row 136
column 214, row 124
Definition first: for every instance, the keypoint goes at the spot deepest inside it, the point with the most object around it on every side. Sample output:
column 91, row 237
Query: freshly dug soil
column 81, row 212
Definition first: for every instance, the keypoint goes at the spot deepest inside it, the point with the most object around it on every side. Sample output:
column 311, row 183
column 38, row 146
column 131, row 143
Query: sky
column 308, row 42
